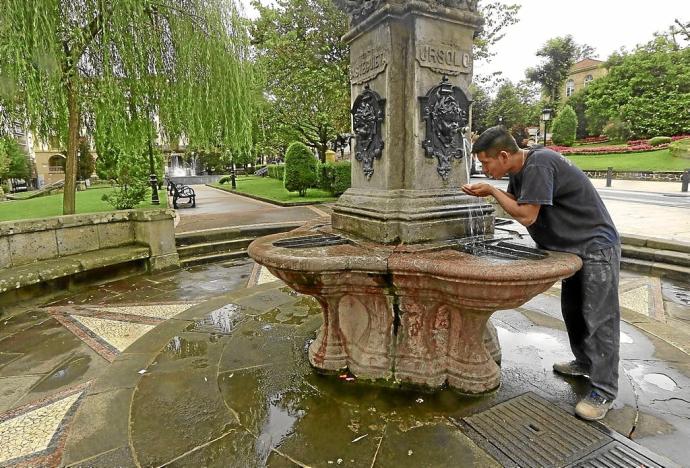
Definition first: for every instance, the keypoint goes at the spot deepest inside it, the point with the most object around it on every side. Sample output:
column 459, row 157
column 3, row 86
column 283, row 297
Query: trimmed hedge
column 300, row 169
column 660, row 140
column 564, row 127
column 680, row 148
column 226, row 179
column 276, row 171
column 335, row 178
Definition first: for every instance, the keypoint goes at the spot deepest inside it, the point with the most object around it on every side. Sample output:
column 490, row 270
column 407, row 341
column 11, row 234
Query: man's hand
column 481, row 189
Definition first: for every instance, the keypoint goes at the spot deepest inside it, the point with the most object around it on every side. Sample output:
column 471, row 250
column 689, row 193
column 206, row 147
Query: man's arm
column 525, row 214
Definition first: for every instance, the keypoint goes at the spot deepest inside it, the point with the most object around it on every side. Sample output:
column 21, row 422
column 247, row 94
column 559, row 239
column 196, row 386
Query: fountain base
column 412, row 314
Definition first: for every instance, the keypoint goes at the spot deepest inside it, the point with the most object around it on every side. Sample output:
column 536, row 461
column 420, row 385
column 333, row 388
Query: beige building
column 582, row 74
column 50, row 163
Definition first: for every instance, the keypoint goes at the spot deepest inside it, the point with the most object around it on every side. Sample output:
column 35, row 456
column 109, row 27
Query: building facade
column 582, row 74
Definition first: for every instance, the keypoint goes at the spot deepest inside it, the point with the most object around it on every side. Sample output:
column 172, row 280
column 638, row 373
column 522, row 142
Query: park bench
column 180, row 191
column 18, row 185
column 263, row 172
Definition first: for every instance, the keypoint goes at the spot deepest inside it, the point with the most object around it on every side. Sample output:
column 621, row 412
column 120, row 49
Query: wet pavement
column 218, row 209
column 208, row 367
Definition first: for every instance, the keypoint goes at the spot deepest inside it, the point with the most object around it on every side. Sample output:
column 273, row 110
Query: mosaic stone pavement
column 32, row 434
column 110, row 330
column 33, row 430
column 93, row 327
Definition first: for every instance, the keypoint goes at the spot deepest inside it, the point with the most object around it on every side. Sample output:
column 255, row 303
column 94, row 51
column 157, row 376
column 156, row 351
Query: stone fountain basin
column 413, row 314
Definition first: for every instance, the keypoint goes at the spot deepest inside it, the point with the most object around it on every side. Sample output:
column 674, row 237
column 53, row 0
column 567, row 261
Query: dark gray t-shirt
column 572, row 217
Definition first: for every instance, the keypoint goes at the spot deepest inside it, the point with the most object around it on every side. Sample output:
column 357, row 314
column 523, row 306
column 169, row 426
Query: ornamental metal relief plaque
column 367, row 115
column 445, row 109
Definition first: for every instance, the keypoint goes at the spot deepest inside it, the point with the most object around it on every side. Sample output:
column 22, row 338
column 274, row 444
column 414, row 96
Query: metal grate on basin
column 502, row 249
column 528, row 431
column 317, row 240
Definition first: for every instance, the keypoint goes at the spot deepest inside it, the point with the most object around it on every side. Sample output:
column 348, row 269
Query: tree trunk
column 70, row 190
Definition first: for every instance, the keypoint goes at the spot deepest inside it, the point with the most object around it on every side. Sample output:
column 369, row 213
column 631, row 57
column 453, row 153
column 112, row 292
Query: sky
column 606, row 25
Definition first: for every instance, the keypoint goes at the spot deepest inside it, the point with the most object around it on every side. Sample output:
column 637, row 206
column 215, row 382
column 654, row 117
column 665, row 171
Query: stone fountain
column 405, row 289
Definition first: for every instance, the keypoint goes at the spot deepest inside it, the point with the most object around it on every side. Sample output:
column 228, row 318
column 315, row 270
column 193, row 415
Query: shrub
column 335, row 178
column 680, row 148
column 85, row 161
column 276, row 171
column 300, row 169
column 660, row 140
column 564, row 127
column 226, row 179
column 126, row 197
column 617, row 130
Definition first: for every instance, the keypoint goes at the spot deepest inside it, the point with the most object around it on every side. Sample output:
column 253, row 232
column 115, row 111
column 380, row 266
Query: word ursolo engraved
column 359, row 10
column 367, row 113
column 444, row 109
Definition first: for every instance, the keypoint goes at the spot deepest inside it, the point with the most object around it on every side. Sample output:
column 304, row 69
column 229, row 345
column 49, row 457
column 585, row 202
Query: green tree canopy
column 513, row 105
column 648, row 89
column 14, row 162
column 115, row 65
column 305, row 70
column 558, row 54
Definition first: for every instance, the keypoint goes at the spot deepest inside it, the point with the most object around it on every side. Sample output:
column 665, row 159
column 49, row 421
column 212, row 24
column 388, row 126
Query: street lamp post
column 546, row 116
column 153, row 179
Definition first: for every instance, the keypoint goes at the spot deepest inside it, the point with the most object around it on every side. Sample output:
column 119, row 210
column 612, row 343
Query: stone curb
column 655, row 243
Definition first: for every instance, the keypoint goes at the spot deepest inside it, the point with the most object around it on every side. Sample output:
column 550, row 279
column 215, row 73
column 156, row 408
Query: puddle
column 182, row 348
column 544, row 343
column 279, row 423
column 222, row 320
column 625, row 338
column 293, row 314
column 676, row 292
column 66, row 374
column 662, row 381
column 653, row 381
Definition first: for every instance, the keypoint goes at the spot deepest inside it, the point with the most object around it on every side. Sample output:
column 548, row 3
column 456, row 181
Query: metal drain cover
column 616, row 454
column 528, row 431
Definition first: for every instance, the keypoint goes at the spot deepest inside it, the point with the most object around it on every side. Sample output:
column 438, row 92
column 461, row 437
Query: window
column 588, row 79
column 569, row 88
column 56, row 164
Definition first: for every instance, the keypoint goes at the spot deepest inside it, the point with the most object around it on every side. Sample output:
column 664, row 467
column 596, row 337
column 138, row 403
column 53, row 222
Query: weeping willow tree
column 126, row 71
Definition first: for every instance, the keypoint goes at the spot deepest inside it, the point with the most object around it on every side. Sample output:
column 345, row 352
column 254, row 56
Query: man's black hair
column 493, row 140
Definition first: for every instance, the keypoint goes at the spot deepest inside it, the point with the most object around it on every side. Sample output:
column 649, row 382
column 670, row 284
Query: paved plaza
column 207, row 366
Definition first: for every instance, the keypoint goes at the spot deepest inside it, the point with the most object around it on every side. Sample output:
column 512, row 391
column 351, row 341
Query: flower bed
column 636, row 148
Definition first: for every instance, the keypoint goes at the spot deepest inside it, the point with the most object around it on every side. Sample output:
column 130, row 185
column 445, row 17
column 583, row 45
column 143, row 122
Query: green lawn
column 658, row 161
column 88, row 201
column 272, row 189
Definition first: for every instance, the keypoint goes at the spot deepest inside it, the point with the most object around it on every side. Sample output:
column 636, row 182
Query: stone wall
column 671, row 176
column 27, row 241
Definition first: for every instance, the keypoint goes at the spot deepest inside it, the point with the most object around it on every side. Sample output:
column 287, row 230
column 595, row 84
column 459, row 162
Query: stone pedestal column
column 411, row 66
